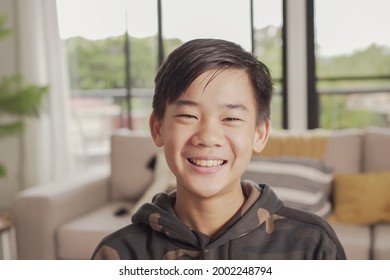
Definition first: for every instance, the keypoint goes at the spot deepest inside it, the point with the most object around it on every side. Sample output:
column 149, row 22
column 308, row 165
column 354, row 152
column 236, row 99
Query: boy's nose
column 209, row 134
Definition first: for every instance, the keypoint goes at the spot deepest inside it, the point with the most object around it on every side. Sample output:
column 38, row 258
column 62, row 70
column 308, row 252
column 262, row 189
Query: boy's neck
column 208, row 215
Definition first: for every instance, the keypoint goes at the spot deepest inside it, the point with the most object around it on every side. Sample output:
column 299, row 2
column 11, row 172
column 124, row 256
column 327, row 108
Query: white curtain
column 45, row 145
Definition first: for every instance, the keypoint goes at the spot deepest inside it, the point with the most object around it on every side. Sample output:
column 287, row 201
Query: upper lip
column 206, row 158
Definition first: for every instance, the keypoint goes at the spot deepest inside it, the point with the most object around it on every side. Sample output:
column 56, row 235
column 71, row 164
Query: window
column 186, row 20
column 112, row 74
column 353, row 63
column 267, row 31
column 94, row 33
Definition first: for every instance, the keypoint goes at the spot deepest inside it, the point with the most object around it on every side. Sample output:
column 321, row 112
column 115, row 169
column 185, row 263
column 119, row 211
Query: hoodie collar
column 261, row 202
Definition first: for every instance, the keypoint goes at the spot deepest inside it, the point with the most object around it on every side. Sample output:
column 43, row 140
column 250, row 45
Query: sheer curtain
column 45, row 144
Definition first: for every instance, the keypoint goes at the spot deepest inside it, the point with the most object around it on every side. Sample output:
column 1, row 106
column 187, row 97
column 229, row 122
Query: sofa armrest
column 40, row 210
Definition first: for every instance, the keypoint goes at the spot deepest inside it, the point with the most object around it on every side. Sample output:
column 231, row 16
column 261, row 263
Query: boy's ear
column 261, row 136
column 155, row 126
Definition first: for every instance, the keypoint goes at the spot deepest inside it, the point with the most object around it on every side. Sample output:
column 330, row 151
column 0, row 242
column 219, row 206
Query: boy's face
column 209, row 133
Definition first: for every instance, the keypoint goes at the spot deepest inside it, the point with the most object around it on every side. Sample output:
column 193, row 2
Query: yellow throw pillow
column 362, row 198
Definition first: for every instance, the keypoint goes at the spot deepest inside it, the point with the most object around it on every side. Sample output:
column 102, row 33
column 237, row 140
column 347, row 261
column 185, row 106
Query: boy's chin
column 207, row 190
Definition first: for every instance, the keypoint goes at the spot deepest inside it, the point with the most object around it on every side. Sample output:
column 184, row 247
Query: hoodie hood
column 260, row 205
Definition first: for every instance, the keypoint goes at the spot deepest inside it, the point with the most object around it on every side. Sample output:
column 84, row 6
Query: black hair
column 195, row 57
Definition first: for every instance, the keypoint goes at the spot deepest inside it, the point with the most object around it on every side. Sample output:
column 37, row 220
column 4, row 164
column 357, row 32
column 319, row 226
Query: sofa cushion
column 310, row 144
column 342, row 150
column 78, row 238
column 376, row 149
column 356, row 240
column 130, row 154
column 362, row 198
column 301, row 183
column 381, row 242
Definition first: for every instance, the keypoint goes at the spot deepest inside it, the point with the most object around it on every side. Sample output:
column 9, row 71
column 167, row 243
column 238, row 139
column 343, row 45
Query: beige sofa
column 66, row 220
column 360, row 186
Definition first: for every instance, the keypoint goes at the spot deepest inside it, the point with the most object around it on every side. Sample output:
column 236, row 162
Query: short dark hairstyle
column 195, row 57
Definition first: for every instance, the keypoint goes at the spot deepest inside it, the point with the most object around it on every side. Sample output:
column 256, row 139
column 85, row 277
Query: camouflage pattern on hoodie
column 263, row 229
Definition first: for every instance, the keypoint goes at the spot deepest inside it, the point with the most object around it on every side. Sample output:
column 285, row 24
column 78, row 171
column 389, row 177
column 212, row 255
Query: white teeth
column 207, row 163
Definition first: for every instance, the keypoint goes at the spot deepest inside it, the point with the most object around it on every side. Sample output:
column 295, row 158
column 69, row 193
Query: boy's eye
column 231, row 119
column 188, row 116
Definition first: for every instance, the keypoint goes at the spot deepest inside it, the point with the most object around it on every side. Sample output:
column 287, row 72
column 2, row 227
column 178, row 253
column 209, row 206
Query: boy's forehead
column 229, row 89
column 227, row 79
column 209, row 75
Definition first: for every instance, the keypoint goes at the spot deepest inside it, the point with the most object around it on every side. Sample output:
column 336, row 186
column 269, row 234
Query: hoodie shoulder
column 118, row 245
column 314, row 225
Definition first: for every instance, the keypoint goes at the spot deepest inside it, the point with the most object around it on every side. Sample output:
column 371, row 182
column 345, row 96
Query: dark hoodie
column 262, row 229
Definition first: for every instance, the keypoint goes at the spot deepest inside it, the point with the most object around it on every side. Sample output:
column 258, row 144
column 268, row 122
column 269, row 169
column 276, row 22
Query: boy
column 210, row 112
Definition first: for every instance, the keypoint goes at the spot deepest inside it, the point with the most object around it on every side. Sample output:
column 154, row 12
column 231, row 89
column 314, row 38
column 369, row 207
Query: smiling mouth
column 207, row 162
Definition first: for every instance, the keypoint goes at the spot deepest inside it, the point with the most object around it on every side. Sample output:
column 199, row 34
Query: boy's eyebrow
column 236, row 106
column 232, row 106
column 185, row 102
